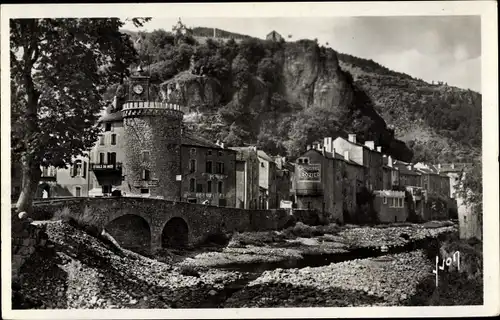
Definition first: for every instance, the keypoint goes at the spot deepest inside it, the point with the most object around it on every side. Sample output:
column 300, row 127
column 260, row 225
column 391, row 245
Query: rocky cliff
column 279, row 96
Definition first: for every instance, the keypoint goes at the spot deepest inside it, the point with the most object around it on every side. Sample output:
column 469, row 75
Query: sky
column 433, row 48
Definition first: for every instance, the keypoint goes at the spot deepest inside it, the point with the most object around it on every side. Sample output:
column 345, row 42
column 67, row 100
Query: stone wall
column 161, row 137
column 26, row 237
column 202, row 220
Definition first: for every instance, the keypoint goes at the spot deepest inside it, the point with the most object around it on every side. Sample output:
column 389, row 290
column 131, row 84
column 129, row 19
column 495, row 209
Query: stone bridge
column 147, row 225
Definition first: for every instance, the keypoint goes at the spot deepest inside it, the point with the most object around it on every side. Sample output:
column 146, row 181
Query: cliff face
column 312, row 77
column 309, row 85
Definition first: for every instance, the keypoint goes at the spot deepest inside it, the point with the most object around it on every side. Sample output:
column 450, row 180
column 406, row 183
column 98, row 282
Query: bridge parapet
column 201, row 220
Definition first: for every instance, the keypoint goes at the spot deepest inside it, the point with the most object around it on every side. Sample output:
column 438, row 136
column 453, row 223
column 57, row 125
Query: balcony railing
column 308, row 192
column 106, row 166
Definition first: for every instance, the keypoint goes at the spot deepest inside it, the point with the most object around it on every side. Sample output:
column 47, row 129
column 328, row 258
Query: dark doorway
column 175, row 234
column 131, row 232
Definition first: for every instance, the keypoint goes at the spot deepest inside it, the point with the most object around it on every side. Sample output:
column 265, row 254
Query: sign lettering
column 309, row 172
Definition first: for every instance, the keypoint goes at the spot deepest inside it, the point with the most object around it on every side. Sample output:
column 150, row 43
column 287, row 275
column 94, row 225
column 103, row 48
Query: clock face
column 138, row 89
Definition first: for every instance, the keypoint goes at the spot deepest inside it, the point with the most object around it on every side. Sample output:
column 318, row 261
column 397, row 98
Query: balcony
column 309, row 192
column 106, row 167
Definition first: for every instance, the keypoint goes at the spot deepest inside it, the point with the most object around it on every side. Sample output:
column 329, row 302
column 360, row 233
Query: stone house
column 208, row 172
column 247, row 177
column 367, row 155
column 274, row 36
column 267, row 181
column 284, row 177
column 408, row 177
column 390, row 176
column 328, row 181
column 390, row 206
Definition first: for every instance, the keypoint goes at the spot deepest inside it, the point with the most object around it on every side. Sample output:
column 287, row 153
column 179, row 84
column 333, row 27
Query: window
column 144, row 191
column 222, row 202
column 306, row 161
column 199, row 188
column 402, row 203
column 145, row 174
column 101, row 140
column 77, row 169
column 113, row 139
column 300, row 161
column 192, row 165
column 84, row 171
column 220, row 187
column 209, row 152
column 385, row 200
column 209, row 167
column 192, row 152
column 220, row 153
column 145, row 156
column 191, row 200
column 209, row 186
column 262, row 165
column 78, row 191
column 108, row 127
column 111, row 157
column 192, row 183
column 220, row 167
column 101, row 158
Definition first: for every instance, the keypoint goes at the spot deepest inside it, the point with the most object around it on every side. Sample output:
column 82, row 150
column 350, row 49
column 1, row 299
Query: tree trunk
column 30, row 180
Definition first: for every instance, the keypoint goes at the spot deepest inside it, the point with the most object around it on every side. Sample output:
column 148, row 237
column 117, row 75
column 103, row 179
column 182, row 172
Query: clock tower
column 139, row 86
column 152, row 140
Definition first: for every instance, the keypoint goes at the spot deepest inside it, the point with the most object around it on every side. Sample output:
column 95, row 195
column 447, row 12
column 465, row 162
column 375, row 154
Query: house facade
column 208, row 173
column 390, row 206
column 247, row 177
column 267, row 181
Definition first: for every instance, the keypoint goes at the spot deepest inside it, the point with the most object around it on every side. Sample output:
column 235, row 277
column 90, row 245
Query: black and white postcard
column 249, row 160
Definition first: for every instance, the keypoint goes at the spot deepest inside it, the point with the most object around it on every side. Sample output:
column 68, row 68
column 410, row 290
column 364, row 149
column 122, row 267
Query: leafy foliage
column 60, row 69
column 439, row 122
column 470, row 188
column 256, row 106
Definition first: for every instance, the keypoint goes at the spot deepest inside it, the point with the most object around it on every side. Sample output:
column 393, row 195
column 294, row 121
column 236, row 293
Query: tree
column 470, row 188
column 60, row 69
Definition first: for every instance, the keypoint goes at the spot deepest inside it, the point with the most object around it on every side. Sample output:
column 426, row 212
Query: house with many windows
column 208, row 172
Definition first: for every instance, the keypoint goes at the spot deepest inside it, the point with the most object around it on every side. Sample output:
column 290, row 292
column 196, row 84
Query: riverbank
column 364, row 282
column 78, row 271
column 263, row 269
column 303, row 240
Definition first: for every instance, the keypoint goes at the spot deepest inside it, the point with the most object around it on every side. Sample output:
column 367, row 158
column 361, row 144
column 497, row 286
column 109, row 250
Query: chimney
column 346, row 155
column 308, row 147
column 389, row 161
column 370, row 144
column 453, row 166
column 439, row 165
column 352, row 137
column 222, row 145
column 328, row 142
column 379, row 149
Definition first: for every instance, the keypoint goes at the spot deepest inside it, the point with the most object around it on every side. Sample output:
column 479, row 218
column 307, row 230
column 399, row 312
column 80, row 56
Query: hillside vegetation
column 282, row 96
column 436, row 121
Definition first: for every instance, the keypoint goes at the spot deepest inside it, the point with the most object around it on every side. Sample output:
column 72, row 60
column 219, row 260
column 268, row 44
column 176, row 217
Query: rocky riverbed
column 302, row 240
column 386, row 281
column 78, row 271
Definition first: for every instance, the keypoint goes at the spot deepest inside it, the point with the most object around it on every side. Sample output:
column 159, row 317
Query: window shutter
column 84, row 173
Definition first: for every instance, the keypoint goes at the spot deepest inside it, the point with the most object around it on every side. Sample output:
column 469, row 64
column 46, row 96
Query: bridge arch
column 175, row 233
column 132, row 232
